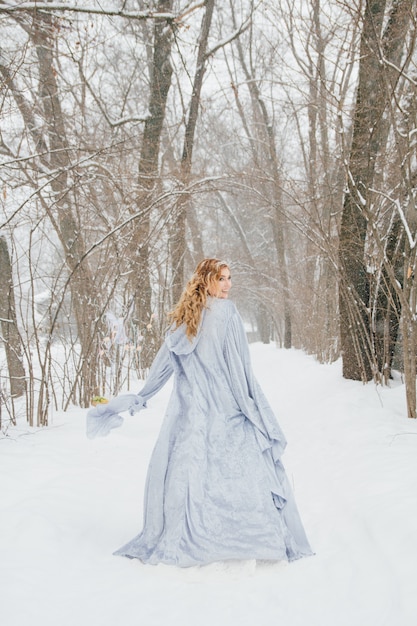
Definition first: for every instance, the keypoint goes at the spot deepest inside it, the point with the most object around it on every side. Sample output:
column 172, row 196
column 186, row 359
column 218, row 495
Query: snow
column 67, row 502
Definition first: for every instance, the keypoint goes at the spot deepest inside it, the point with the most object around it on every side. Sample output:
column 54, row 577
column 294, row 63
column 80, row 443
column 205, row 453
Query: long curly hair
column 193, row 300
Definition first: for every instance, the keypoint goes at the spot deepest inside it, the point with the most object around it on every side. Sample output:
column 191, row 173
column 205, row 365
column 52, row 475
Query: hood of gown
column 178, row 342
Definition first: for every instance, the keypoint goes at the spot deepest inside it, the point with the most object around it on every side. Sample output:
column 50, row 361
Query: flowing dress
column 216, row 488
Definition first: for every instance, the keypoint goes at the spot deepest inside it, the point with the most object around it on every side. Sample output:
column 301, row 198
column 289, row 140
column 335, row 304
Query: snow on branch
column 400, row 70
column 397, row 204
column 411, row 240
column 8, row 7
column 112, row 123
column 244, row 26
column 355, row 187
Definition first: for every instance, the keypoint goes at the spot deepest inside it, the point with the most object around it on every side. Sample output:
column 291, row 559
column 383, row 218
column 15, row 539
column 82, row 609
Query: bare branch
column 221, row 44
column 115, row 123
column 47, row 7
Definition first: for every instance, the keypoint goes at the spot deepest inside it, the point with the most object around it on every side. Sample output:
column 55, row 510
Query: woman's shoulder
column 222, row 307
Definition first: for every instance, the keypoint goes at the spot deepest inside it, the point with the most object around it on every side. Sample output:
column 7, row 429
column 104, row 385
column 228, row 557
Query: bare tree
column 380, row 50
column 267, row 138
column 178, row 240
column 51, row 144
column 148, row 179
column 69, row 163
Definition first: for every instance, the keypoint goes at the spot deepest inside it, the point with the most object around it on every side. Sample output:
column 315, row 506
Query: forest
column 137, row 137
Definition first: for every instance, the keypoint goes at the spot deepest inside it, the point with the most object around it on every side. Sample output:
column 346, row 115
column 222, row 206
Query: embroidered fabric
column 216, row 488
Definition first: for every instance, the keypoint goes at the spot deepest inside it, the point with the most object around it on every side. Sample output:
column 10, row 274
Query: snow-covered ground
column 66, row 503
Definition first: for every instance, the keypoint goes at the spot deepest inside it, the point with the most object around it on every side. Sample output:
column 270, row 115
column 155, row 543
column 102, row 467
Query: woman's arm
column 159, row 373
column 102, row 418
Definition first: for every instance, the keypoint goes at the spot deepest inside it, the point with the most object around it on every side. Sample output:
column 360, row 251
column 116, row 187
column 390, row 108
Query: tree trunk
column 68, row 228
column 147, row 180
column 377, row 81
column 325, row 193
column 178, row 240
column 387, row 305
column 409, row 336
column 9, row 328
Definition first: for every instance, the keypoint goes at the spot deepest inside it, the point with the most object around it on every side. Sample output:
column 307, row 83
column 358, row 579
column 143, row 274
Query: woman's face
column 222, row 285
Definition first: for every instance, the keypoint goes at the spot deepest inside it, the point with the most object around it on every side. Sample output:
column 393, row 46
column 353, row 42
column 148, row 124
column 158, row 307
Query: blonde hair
column 193, row 300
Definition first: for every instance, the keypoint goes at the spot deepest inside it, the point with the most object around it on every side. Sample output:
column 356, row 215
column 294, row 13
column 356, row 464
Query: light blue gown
column 216, row 489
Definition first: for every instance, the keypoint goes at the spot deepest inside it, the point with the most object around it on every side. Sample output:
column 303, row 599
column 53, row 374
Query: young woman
column 216, row 488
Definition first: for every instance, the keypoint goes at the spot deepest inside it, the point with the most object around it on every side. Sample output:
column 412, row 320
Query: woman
column 216, row 488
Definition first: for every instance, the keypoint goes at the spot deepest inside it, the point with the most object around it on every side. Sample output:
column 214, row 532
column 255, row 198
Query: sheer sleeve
column 160, row 372
column 246, row 389
column 102, row 418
